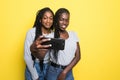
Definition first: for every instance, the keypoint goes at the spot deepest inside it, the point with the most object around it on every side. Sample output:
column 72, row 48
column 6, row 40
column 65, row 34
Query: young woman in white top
column 37, row 65
column 62, row 61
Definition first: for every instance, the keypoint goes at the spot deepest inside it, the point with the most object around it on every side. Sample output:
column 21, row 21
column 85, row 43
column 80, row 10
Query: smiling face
column 47, row 20
column 63, row 21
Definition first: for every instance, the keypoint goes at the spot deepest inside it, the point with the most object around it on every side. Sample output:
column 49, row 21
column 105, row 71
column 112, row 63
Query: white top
column 27, row 53
column 66, row 56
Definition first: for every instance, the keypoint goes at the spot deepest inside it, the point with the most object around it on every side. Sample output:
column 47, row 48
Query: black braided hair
column 38, row 26
column 58, row 13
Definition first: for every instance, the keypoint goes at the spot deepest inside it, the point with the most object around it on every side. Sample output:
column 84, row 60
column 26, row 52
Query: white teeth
column 63, row 26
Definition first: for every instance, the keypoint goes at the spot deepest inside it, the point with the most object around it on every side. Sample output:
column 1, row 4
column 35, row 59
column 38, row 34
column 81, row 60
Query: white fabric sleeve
column 28, row 57
column 75, row 37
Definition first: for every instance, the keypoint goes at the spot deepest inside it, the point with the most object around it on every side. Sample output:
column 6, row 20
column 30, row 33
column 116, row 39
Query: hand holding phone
column 56, row 43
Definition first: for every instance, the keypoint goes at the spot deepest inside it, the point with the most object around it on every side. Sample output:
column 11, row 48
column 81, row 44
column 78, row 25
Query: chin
column 62, row 29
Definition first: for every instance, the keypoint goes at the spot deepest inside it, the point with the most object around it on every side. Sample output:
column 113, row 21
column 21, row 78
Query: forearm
column 71, row 65
column 33, row 48
column 63, row 74
column 38, row 50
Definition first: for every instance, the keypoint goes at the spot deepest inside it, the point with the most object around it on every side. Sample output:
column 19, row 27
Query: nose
column 48, row 20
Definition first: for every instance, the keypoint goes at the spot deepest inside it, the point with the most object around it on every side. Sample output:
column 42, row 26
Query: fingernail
column 50, row 45
column 49, row 39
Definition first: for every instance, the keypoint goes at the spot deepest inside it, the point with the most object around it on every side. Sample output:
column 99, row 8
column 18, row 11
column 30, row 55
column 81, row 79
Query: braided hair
column 58, row 13
column 38, row 26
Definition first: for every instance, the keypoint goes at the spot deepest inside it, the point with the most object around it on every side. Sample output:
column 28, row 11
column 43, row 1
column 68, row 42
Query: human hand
column 40, row 40
column 62, row 76
column 39, row 50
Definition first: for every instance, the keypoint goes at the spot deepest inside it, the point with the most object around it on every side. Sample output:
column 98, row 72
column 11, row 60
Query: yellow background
column 97, row 23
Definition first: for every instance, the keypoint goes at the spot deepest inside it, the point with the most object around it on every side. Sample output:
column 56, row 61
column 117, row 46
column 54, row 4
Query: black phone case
column 57, row 43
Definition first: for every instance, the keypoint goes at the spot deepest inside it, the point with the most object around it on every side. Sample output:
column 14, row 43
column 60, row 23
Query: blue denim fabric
column 53, row 73
column 41, row 74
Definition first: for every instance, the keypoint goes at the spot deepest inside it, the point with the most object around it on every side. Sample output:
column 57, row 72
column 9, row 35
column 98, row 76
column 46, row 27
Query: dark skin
column 36, row 48
column 39, row 50
column 63, row 23
column 75, row 60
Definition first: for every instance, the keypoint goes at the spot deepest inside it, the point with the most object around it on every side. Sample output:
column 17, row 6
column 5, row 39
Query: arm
column 72, row 64
column 39, row 50
column 27, row 56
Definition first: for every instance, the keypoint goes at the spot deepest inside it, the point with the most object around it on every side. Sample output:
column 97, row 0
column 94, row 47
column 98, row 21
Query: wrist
column 64, row 72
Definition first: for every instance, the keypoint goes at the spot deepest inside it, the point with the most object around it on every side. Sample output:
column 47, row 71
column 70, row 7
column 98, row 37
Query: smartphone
column 57, row 43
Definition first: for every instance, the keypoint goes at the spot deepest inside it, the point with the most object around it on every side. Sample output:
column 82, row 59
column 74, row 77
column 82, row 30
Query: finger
column 40, row 37
column 38, row 40
column 45, row 40
column 42, row 49
column 43, row 46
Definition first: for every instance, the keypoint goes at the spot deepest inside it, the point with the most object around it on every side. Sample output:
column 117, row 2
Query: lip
column 64, row 26
column 48, row 24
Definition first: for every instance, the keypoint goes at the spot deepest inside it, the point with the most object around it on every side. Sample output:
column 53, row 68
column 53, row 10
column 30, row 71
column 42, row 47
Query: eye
column 51, row 18
column 61, row 19
column 44, row 18
column 67, row 20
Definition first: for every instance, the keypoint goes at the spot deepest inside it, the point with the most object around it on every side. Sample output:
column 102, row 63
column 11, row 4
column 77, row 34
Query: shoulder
column 31, row 31
column 72, row 33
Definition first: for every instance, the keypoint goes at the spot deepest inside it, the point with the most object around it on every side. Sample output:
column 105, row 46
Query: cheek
column 60, row 22
column 67, row 23
column 43, row 21
column 51, row 21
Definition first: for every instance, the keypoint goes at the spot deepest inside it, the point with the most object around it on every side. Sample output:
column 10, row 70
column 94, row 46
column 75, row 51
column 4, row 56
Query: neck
column 45, row 31
column 62, row 31
column 64, row 34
